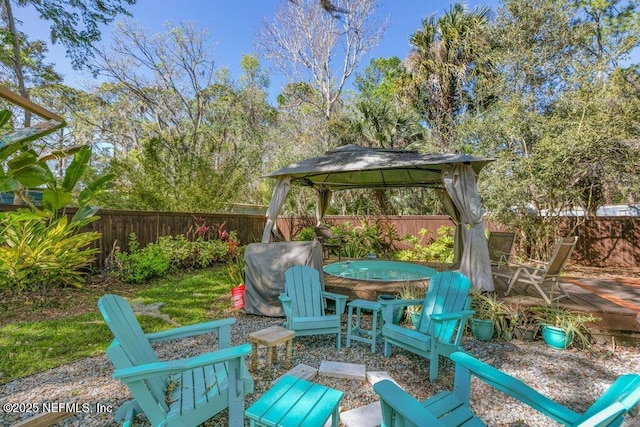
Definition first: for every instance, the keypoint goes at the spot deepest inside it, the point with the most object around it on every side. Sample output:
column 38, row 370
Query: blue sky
column 234, row 24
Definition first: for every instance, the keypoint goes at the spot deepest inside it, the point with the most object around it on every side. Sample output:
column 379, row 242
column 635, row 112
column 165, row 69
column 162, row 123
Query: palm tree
column 446, row 62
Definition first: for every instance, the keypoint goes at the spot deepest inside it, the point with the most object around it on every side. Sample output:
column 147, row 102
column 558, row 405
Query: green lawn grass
column 30, row 347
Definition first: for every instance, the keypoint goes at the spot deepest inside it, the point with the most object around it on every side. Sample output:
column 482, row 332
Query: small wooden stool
column 295, row 402
column 270, row 338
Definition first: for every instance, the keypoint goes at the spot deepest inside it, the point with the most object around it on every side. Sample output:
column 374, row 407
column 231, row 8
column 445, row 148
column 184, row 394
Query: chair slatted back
column 302, row 284
column 500, row 245
column 130, row 347
column 448, row 292
column 561, row 253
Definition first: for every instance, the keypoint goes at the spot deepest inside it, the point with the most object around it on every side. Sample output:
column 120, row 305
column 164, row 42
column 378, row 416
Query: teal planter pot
column 556, row 337
column 482, row 329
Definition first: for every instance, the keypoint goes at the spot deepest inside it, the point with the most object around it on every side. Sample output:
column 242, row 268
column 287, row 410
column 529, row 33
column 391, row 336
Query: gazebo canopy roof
column 354, row 166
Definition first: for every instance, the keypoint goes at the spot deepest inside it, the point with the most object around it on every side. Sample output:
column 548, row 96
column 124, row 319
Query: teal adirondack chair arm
column 401, row 409
column 625, row 392
column 285, row 300
column 389, row 304
column 143, row 372
column 609, row 409
column 222, row 326
column 453, row 316
column 341, row 300
column 461, row 317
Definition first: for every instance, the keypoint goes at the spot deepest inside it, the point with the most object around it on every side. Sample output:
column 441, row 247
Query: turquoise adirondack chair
column 451, row 408
column 303, row 302
column 182, row 392
column 445, row 310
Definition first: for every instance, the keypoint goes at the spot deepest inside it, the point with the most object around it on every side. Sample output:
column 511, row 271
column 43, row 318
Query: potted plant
column 525, row 325
column 412, row 291
column 490, row 316
column 235, row 274
column 561, row 326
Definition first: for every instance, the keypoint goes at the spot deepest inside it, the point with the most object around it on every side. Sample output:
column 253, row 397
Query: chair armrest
column 404, row 404
column 625, row 391
column 190, row 330
column 515, row 388
column 143, row 372
column 284, row 298
column 388, row 306
column 604, row 416
column 401, row 302
column 453, row 316
column 341, row 300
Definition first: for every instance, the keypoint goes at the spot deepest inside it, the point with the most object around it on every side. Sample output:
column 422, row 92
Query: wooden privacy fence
column 603, row 241
column 608, row 241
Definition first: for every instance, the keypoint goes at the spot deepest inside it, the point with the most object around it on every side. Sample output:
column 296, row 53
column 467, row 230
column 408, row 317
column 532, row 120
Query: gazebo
column 453, row 176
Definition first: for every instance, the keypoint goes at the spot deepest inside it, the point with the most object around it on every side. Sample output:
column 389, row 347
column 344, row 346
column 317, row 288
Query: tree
column 308, row 44
column 199, row 134
column 73, row 23
column 562, row 128
column 611, row 30
column 447, row 63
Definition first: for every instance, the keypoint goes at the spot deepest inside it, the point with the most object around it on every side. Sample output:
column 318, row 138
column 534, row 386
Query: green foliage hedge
column 171, row 253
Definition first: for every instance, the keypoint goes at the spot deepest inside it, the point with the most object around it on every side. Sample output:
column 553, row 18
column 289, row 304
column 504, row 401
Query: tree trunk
column 16, row 63
column 381, row 200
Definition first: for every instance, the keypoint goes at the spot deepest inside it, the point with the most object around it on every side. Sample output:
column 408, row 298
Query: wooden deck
column 600, row 297
column 616, row 301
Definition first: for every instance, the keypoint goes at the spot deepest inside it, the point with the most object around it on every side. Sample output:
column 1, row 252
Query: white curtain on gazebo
column 461, row 183
column 324, row 198
column 280, row 191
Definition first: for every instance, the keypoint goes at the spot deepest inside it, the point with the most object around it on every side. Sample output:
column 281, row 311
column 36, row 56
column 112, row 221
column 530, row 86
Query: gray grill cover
column 265, row 264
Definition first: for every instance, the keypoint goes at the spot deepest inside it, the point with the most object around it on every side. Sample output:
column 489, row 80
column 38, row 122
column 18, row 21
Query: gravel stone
column 571, row 377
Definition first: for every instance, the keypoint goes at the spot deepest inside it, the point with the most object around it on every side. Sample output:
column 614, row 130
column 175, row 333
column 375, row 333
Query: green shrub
column 436, row 250
column 171, row 253
column 211, row 251
column 37, row 253
column 179, row 251
column 139, row 265
column 305, row 235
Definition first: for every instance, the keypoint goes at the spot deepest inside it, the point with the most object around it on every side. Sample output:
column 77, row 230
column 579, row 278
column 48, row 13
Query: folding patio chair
column 500, row 247
column 546, row 273
column 329, row 240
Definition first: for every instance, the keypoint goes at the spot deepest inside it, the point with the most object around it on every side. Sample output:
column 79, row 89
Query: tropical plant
column 173, row 253
column 37, row 254
column 43, row 237
column 524, row 322
column 439, row 249
column 487, row 307
column 235, row 270
column 574, row 323
column 446, row 65
column 412, row 291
